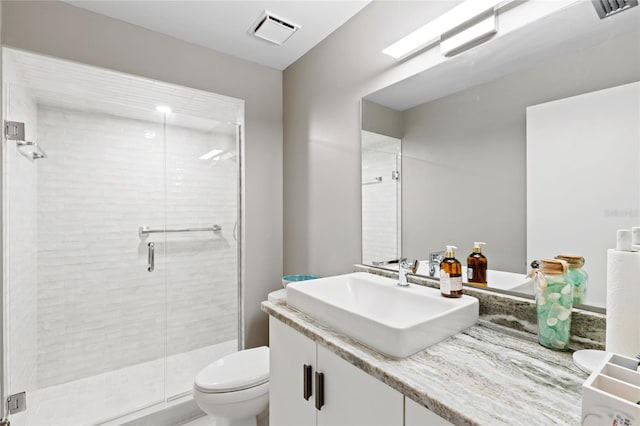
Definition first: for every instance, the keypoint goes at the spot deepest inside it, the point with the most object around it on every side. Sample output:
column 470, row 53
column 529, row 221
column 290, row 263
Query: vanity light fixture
column 472, row 36
column 431, row 33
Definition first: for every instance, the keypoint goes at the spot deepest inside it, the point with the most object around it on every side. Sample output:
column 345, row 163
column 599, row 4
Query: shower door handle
column 151, row 257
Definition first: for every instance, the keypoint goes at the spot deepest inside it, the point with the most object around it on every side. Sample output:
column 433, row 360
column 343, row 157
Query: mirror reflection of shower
column 381, row 197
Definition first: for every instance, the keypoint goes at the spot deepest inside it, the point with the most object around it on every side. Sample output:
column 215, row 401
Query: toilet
column 235, row 388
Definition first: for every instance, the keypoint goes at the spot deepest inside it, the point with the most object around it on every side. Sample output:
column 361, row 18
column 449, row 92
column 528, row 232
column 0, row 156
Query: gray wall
column 322, row 93
column 57, row 29
column 464, row 158
column 382, row 120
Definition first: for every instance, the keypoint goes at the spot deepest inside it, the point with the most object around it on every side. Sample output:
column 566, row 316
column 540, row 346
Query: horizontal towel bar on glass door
column 145, row 230
column 372, row 181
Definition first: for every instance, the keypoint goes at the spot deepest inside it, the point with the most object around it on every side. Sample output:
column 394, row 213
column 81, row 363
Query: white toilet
column 235, row 388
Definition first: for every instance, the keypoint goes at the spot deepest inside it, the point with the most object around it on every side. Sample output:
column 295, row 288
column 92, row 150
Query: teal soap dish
column 295, row 278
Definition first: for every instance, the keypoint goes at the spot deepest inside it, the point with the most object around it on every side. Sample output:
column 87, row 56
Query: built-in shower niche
column 90, row 328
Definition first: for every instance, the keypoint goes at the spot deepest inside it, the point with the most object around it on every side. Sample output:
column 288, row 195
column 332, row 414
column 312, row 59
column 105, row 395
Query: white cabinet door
column 289, row 352
column 354, row 398
column 417, row 415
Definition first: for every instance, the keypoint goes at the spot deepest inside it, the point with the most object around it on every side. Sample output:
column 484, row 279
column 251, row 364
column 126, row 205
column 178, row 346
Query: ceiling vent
column 607, row 8
column 273, row 28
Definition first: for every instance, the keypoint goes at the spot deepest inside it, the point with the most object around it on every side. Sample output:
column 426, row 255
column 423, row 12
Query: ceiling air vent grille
column 273, row 28
column 606, row 8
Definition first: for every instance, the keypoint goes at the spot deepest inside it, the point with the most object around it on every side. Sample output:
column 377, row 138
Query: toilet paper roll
column 635, row 235
column 623, row 240
column 623, row 302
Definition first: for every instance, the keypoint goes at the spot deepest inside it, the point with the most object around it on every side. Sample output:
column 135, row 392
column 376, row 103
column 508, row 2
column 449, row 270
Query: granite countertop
column 486, row 375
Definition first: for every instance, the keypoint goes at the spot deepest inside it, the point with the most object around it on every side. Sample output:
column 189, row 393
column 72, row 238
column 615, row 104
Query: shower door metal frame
column 240, row 231
column 3, row 319
column 4, row 368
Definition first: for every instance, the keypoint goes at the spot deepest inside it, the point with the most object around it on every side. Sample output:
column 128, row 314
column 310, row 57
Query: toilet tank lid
column 239, row 370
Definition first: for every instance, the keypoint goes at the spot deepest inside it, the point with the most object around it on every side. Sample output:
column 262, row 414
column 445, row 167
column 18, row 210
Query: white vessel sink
column 396, row 321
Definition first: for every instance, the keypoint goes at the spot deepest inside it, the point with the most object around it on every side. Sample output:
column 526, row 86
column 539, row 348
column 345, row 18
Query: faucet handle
column 404, row 269
column 436, row 256
column 412, row 265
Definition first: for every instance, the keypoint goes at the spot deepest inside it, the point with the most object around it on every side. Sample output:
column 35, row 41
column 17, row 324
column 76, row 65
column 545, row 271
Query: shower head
column 34, row 153
column 14, row 131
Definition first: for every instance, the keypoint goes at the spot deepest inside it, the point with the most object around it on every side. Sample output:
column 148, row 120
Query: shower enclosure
column 121, row 239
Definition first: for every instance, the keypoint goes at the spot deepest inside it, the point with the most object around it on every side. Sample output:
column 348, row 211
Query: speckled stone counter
column 486, row 375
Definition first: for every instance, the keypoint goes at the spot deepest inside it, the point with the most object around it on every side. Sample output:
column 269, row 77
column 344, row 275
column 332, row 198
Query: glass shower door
column 202, row 271
column 86, row 320
column 102, row 320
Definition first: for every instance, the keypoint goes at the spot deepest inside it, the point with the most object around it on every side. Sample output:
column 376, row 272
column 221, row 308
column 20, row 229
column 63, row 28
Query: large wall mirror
column 529, row 142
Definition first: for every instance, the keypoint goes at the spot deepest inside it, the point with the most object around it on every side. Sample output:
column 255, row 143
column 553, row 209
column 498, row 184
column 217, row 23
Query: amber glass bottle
column 477, row 266
column 450, row 274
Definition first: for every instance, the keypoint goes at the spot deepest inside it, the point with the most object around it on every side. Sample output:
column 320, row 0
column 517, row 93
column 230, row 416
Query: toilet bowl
column 235, row 388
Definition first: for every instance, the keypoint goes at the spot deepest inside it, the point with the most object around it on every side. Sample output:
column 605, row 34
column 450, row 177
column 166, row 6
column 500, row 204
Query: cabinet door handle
column 307, row 372
column 319, row 390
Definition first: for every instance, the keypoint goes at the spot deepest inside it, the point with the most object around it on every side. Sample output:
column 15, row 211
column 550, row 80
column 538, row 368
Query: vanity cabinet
column 417, row 415
column 289, row 353
column 350, row 396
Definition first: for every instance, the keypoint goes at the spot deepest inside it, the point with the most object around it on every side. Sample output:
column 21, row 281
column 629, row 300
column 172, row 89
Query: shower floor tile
column 104, row 397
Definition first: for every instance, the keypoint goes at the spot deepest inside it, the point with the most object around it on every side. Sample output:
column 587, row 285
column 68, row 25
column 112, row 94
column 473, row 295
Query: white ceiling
column 223, row 25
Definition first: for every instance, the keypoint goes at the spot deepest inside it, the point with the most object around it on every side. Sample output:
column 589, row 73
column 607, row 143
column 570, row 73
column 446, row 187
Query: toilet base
column 239, row 408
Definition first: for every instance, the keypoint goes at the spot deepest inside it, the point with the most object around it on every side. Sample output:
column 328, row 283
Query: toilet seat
column 235, row 372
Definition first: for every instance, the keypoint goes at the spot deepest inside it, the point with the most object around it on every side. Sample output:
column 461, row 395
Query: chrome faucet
column 405, row 268
column 435, row 258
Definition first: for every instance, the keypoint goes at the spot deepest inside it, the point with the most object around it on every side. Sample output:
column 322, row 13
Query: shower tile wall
column 201, row 269
column 21, row 273
column 99, row 308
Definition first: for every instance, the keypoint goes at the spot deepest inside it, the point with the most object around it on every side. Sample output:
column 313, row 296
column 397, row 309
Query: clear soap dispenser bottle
column 477, row 265
column 450, row 274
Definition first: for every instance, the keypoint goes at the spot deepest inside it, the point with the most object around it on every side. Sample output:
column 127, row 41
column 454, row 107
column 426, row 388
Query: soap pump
column 477, row 265
column 450, row 274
